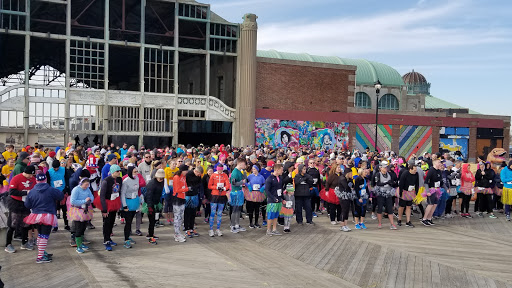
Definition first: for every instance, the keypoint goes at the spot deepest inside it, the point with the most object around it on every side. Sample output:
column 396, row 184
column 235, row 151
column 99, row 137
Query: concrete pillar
column 435, row 138
column 472, row 145
column 395, row 138
column 246, row 99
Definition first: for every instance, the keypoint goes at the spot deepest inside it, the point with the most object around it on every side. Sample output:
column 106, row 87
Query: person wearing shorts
column 274, row 190
column 408, row 187
column 433, row 181
column 385, row 182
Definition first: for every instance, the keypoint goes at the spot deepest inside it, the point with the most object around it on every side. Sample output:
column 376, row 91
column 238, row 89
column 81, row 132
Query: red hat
column 271, row 163
column 51, row 154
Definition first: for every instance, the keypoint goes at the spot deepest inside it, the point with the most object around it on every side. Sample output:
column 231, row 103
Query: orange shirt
column 217, row 179
column 179, row 186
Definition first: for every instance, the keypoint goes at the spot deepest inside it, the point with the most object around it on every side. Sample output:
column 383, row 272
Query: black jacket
column 302, row 184
column 153, row 193
column 486, row 180
column 207, row 192
column 315, row 174
column 194, row 182
column 107, row 188
column 272, row 185
column 433, row 176
column 407, row 179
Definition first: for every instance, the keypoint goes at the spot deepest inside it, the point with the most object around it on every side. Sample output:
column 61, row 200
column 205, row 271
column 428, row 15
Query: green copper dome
column 367, row 72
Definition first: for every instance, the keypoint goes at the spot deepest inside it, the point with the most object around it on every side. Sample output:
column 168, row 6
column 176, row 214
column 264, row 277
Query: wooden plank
column 352, row 268
column 402, row 270
column 409, row 271
column 374, row 276
column 393, row 269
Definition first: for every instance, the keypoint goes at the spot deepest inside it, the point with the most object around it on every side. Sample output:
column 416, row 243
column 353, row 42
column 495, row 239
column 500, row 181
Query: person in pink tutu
column 41, row 200
column 80, row 211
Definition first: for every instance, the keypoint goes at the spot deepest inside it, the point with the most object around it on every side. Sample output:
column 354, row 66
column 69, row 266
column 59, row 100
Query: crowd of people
column 269, row 186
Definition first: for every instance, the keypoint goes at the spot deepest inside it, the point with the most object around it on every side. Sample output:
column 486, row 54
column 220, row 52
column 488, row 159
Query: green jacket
column 19, row 168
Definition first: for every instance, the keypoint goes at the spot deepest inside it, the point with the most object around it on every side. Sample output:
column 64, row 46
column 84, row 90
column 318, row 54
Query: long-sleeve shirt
column 255, row 182
column 434, row 178
column 332, row 181
column 407, row 180
column 130, row 189
column 109, row 186
column 78, row 196
column 274, row 189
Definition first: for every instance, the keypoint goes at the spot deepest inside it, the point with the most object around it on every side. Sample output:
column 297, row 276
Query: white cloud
column 414, row 29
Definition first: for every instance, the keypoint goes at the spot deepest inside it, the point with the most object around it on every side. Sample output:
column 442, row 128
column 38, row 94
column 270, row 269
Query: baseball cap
column 111, row 157
column 271, row 163
column 41, row 177
column 30, row 170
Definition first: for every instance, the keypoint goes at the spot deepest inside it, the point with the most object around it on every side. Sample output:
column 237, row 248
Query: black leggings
column 24, row 235
column 497, row 202
column 43, row 229
column 315, row 203
column 64, row 209
column 189, row 218
column 108, row 225
column 334, row 212
column 345, row 209
column 207, row 210
column 359, row 209
column 485, row 202
column 465, row 204
column 128, row 218
column 80, row 228
column 152, row 221
column 253, row 209
column 449, row 203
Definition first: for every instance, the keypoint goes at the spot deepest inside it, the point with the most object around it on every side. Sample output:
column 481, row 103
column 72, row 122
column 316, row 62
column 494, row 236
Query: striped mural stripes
column 415, row 140
column 365, row 137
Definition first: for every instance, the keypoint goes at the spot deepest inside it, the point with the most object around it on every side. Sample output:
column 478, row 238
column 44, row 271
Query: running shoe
column 399, row 222
column 264, row 223
column 468, row 215
column 179, row 238
column 358, row 227
column 84, row 247
column 55, row 229
column 379, row 226
column 108, row 247
column 449, row 216
column 257, row 226
column 311, row 223
column 348, row 228
column 333, row 223
column 480, row 214
column 393, row 227
column 79, row 250
column 195, row 233
column 234, row 230
column 67, row 227
column 72, row 243
column 314, row 215
column 206, row 220
column 49, row 255
column 425, row 222
column 153, row 240
column 269, row 233
column 363, row 225
column 431, row 222
column 508, row 217
column 409, row 224
column 374, row 217
column 10, row 249
column 211, row 233
column 218, row 232
column 345, row 229
column 131, row 241
column 275, row 233
column 112, row 243
column 319, row 212
column 190, row 234
column 138, row 233
column 26, row 246
column 85, row 241
column 287, row 231
column 90, row 226
column 127, row 244
column 43, row 259
column 492, row 216
column 251, row 226
column 241, row 229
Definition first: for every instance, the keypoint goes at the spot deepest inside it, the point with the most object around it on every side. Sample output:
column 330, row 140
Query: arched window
column 363, row 100
column 388, row 102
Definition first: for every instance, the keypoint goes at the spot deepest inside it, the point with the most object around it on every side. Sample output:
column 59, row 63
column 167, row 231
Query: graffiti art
column 415, row 140
column 291, row 133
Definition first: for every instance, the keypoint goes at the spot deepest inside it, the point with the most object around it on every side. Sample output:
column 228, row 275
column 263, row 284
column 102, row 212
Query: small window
column 388, row 102
column 363, row 100
column 191, row 88
column 220, row 87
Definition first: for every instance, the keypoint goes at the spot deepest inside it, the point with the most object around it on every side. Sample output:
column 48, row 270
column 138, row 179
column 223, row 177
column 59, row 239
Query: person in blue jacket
column 256, row 186
column 506, row 197
column 42, row 201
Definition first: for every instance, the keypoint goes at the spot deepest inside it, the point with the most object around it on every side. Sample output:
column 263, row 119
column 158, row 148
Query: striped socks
column 42, row 241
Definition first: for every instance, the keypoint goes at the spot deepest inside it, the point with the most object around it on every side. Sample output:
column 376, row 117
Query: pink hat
column 220, row 168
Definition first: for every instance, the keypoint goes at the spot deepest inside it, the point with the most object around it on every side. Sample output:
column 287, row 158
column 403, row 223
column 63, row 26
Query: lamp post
column 378, row 85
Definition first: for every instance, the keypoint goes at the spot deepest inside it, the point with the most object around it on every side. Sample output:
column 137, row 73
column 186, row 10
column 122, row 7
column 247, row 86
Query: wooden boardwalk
column 454, row 253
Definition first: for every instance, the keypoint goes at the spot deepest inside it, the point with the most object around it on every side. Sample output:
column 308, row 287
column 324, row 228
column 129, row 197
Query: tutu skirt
column 43, row 219
column 191, row 201
column 273, row 210
column 487, row 191
column 498, row 191
column 466, row 189
column 506, row 197
column 329, row 196
column 112, row 205
column 79, row 214
column 419, row 196
column 286, row 212
column 236, row 198
column 253, row 196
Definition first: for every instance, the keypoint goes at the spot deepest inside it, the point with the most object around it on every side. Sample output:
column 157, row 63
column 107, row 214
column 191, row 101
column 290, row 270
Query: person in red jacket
column 219, row 184
column 178, row 206
column 19, row 187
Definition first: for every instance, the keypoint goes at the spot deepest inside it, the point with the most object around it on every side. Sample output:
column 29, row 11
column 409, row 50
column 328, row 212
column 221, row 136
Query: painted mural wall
column 365, row 137
column 291, row 133
column 454, row 140
column 415, row 140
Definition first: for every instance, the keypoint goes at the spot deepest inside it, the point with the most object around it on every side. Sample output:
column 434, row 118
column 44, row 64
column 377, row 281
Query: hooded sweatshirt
column 42, row 199
column 466, row 176
column 20, row 166
column 302, row 183
column 506, row 176
column 130, row 187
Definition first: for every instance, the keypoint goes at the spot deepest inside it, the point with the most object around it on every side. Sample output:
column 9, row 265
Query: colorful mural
column 291, row 133
column 454, row 140
column 415, row 140
column 365, row 137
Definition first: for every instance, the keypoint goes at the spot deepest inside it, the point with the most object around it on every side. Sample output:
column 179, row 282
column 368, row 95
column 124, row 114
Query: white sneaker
column 333, row 223
column 348, row 229
column 211, row 233
column 449, row 216
column 218, row 232
column 241, row 229
column 344, row 229
column 180, row 238
column 374, row 217
column 234, row 230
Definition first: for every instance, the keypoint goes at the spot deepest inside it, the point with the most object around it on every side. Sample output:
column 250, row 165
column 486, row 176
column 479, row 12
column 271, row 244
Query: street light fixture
column 377, row 85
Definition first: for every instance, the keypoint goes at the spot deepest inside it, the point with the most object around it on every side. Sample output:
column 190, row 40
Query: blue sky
column 462, row 47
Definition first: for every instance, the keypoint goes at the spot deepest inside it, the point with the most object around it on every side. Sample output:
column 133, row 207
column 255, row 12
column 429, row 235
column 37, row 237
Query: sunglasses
column 180, row 161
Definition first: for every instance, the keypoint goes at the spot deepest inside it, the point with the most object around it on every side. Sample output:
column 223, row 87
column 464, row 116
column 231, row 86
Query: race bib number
column 57, row 184
column 279, row 192
column 114, row 196
column 289, row 204
column 411, row 188
column 315, row 180
column 437, row 184
column 256, row 187
column 363, row 192
column 220, row 185
column 171, row 182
